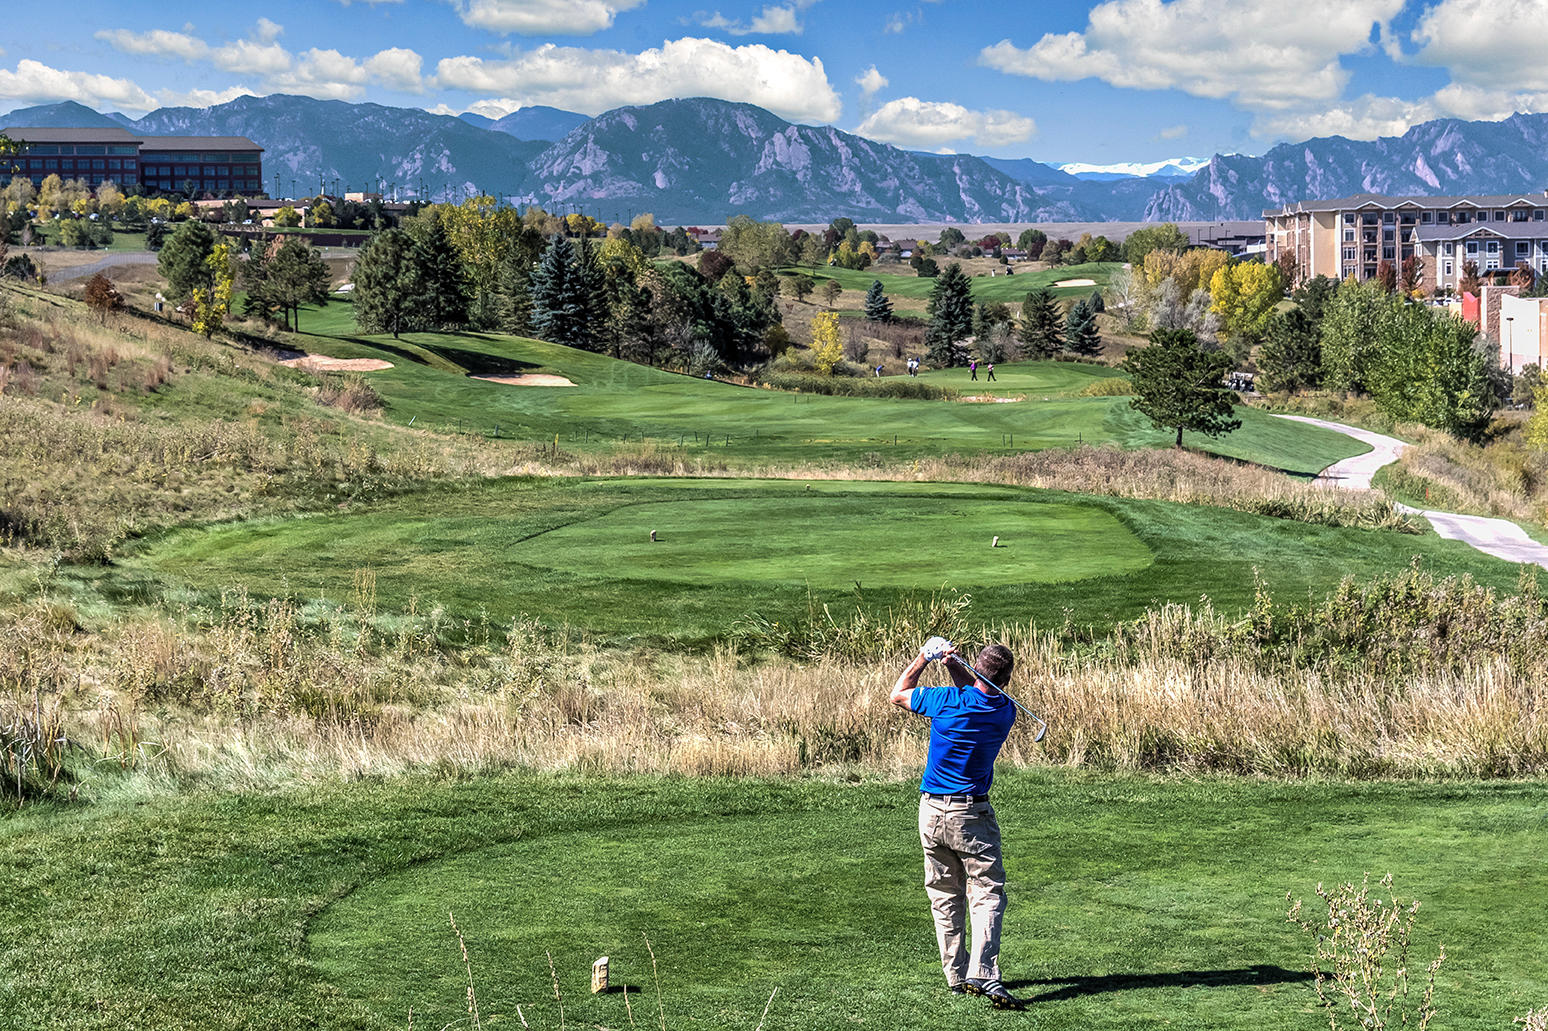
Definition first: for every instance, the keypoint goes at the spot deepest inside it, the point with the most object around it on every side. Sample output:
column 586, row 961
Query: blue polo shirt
column 967, row 728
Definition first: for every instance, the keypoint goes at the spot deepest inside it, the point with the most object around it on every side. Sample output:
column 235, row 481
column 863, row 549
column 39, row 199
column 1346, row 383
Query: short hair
column 996, row 663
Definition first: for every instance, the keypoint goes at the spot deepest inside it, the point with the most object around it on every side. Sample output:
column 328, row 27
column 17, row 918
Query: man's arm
column 958, row 672
column 903, row 690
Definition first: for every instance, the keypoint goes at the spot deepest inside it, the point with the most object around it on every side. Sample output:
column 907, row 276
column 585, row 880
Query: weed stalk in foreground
column 1366, row 941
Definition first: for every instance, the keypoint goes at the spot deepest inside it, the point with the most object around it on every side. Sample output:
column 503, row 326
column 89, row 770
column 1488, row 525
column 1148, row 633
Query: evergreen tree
column 1080, row 331
column 1041, row 334
column 443, row 283
column 877, row 307
column 1291, row 355
column 1098, row 305
column 387, row 289
column 560, row 308
column 297, row 275
column 1177, row 384
column 184, row 260
column 951, row 318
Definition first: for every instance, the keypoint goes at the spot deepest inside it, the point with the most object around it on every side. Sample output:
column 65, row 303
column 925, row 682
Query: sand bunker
column 1076, row 282
column 322, row 363
column 530, row 379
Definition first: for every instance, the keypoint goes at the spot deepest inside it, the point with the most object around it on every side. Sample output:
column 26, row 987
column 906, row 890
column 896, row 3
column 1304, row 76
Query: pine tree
column 877, row 307
column 560, row 308
column 387, row 289
column 951, row 318
column 1080, row 331
column 184, row 260
column 1178, row 384
column 1041, row 334
column 443, row 283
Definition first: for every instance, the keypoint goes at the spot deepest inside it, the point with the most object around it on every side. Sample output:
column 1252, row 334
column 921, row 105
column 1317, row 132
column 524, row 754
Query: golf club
column 1042, row 726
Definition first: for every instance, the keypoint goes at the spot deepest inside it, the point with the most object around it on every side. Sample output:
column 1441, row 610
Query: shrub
column 350, row 394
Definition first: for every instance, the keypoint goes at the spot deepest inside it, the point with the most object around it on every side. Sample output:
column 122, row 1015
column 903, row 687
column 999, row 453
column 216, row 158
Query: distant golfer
column 969, row 721
column 989, row 369
column 973, row 367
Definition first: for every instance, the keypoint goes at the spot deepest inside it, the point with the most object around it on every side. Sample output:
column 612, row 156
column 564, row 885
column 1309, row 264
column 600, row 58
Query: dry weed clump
column 350, row 394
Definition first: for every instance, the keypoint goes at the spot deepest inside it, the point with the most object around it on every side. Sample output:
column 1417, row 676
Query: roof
column 1377, row 200
column 32, row 135
column 198, row 143
column 1499, row 230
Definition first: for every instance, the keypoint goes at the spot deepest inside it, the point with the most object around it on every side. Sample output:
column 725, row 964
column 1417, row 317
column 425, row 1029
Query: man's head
column 996, row 663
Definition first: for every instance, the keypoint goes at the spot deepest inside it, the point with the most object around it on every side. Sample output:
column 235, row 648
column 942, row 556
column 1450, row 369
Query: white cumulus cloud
column 773, row 21
column 32, row 82
column 593, row 81
column 870, row 81
column 1261, row 54
column 1489, row 43
column 325, row 74
column 541, row 17
column 202, row 97
column 156, row 43
column 911, row 122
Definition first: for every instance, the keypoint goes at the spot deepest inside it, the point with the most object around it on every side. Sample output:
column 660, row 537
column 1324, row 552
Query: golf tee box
column 599, row 976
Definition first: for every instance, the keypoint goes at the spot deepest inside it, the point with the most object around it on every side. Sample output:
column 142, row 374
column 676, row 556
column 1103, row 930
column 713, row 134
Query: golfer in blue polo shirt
column 964, row 873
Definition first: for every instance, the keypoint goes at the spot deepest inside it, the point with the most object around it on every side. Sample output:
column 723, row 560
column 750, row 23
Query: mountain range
column 702, row 160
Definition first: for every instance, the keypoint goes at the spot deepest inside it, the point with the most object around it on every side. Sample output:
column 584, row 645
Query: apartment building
column 1352, row 236
column 220, row 166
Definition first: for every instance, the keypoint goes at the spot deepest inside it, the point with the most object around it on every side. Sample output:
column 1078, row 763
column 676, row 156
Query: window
column 1520, row 215
column 1387, row 218
column 66, row 163
column 1521, row 248
column 98, row 164
column 1349, row 235
column 1472, row 247
column 1461, row 218
column 1449, row 248
column 1388, row 253
column 1448, row 268
column 1427, row 217
column 1387, row 235
column 1494, row 246
column 1349, row 254
column 1349, row 218
column 1493, row 263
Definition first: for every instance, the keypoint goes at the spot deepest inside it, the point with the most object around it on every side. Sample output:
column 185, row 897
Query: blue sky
column 1055, row 80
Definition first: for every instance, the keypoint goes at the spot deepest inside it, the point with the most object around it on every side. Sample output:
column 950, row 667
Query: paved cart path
column 1498, row 537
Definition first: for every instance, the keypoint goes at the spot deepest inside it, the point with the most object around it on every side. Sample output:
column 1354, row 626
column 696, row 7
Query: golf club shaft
column 1042, row 725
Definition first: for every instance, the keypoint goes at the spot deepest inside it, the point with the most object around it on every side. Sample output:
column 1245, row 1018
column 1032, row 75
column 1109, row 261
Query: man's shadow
column 1075, row 987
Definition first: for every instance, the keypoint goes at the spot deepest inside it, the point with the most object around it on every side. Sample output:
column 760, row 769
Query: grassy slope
column 1011, row 289
column 1133, row 903
column 517, row 547
column 614, row 400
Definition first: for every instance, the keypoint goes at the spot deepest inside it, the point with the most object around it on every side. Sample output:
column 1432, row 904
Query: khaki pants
column 963, row 874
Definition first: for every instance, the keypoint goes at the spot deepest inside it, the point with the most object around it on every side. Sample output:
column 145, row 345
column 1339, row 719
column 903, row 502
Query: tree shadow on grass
column 1076, row 986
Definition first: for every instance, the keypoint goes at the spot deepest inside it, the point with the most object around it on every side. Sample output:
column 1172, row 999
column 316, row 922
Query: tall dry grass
column 1406, row 677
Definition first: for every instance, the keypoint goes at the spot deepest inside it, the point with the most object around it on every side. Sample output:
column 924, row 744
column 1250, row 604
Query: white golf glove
column 935, row 649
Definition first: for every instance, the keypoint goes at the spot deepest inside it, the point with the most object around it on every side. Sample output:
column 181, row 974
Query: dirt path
column 114, row 259
column 1498, row 537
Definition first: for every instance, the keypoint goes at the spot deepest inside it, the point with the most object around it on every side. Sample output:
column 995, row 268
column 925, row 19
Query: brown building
column 221, row 166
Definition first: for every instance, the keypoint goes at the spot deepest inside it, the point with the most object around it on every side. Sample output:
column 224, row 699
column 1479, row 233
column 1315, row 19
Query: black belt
column 969, row 799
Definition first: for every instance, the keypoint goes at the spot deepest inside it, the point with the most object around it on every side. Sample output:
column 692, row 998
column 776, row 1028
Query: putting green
column 904, row 542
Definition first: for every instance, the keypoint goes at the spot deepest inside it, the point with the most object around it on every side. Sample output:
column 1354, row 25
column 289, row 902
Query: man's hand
column 936, row 649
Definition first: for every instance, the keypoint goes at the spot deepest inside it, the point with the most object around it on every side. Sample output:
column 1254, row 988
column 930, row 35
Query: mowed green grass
column 578, row 552
column 616, row 401
column 1133, row 903
column 1012, row 289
